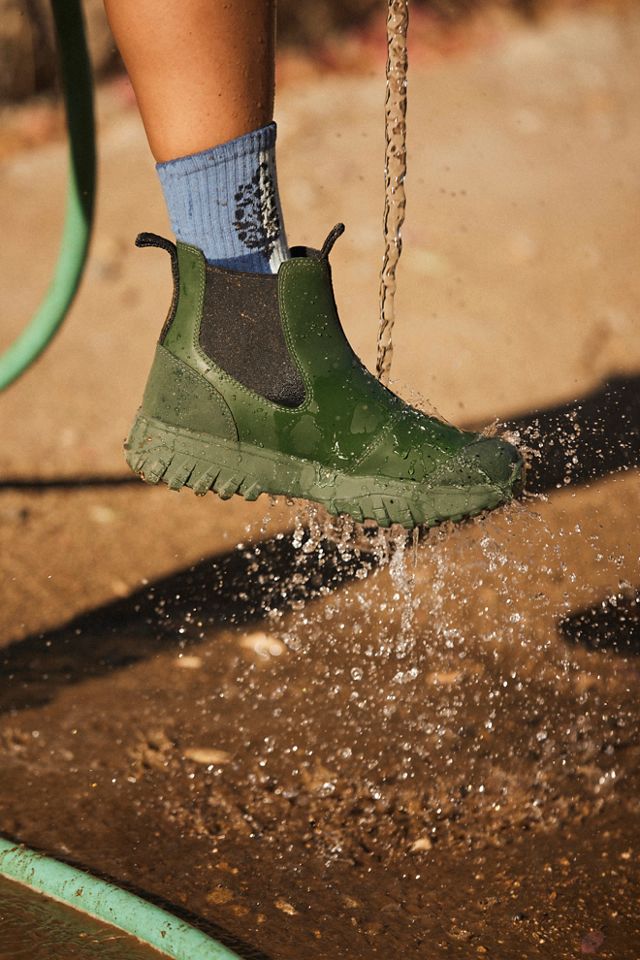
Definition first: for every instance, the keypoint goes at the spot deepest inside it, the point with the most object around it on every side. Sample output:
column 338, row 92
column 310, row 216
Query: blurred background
column 27, row 46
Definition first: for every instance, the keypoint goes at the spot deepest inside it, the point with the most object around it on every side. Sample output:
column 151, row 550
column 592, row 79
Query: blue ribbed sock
column 225, row 202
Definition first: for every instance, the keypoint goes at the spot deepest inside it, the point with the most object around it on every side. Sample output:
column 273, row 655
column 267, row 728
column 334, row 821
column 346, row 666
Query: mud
column 36, row 928
column 292, row 773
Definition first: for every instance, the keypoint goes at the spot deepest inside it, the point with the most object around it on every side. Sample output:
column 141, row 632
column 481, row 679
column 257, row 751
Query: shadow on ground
column 613, row 624
column 581, row 441
column 233, row 589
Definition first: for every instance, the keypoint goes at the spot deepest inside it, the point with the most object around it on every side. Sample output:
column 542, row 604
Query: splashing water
column 395, row 169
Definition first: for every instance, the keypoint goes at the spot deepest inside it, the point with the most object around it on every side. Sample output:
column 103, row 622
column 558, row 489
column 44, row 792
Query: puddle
column 34, row 927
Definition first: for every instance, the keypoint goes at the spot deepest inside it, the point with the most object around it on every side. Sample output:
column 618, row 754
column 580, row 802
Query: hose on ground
column 77, row 85
column 103, row 901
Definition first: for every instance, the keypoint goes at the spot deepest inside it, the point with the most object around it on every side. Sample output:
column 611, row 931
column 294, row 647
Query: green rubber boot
column 255, row 389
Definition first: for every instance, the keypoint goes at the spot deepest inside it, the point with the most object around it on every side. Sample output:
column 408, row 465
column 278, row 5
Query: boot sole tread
column 159, row 452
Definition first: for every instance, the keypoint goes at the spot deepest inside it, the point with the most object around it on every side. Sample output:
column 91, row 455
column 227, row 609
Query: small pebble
column 263, row 645
column 350, row 901
column 286, row 907
column 444, row 678
column 189, row 662
column 422, row 843
column 206, row 755
column 220, row 895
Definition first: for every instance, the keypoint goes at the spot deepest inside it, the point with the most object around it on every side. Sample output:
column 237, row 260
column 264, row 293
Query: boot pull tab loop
column 327, row 246
column 153, row 240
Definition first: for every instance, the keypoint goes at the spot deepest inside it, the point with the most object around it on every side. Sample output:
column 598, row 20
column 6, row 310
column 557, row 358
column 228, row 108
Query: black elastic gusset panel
column 242, row 333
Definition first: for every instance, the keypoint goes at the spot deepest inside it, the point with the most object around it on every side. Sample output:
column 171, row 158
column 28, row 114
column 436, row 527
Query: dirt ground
column 349, row 745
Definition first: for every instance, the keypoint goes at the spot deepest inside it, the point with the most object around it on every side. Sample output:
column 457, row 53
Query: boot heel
column 159, row 452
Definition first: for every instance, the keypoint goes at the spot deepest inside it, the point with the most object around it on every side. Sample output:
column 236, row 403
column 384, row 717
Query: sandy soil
column 437, row 754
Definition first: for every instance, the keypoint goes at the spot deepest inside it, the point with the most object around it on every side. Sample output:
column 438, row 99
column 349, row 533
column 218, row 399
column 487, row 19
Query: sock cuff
column 264, row 138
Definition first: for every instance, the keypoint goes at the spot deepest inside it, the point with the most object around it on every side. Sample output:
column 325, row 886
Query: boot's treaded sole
column 180, row 458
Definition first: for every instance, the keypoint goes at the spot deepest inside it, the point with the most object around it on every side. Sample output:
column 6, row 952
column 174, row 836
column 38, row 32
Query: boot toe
column 484, row 461
column 494, row 460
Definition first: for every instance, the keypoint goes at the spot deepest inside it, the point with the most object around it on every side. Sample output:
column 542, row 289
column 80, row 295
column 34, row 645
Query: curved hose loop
column 75, row 68
column 112, row 905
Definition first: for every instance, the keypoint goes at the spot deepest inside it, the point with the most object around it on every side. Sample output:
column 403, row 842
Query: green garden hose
column 101, row 900
column 75, row 68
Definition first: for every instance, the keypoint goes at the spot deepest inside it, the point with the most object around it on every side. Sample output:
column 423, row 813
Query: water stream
column 395, row 169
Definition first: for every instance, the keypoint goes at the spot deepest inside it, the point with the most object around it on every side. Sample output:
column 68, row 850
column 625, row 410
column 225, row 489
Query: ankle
column 225, row 202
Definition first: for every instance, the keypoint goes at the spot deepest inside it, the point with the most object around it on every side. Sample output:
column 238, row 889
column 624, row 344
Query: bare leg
column 202, row 70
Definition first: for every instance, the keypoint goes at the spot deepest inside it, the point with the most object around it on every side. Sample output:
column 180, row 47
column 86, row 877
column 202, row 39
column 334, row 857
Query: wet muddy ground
column 324, row 781
column 357, row 745
column 36, row 928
